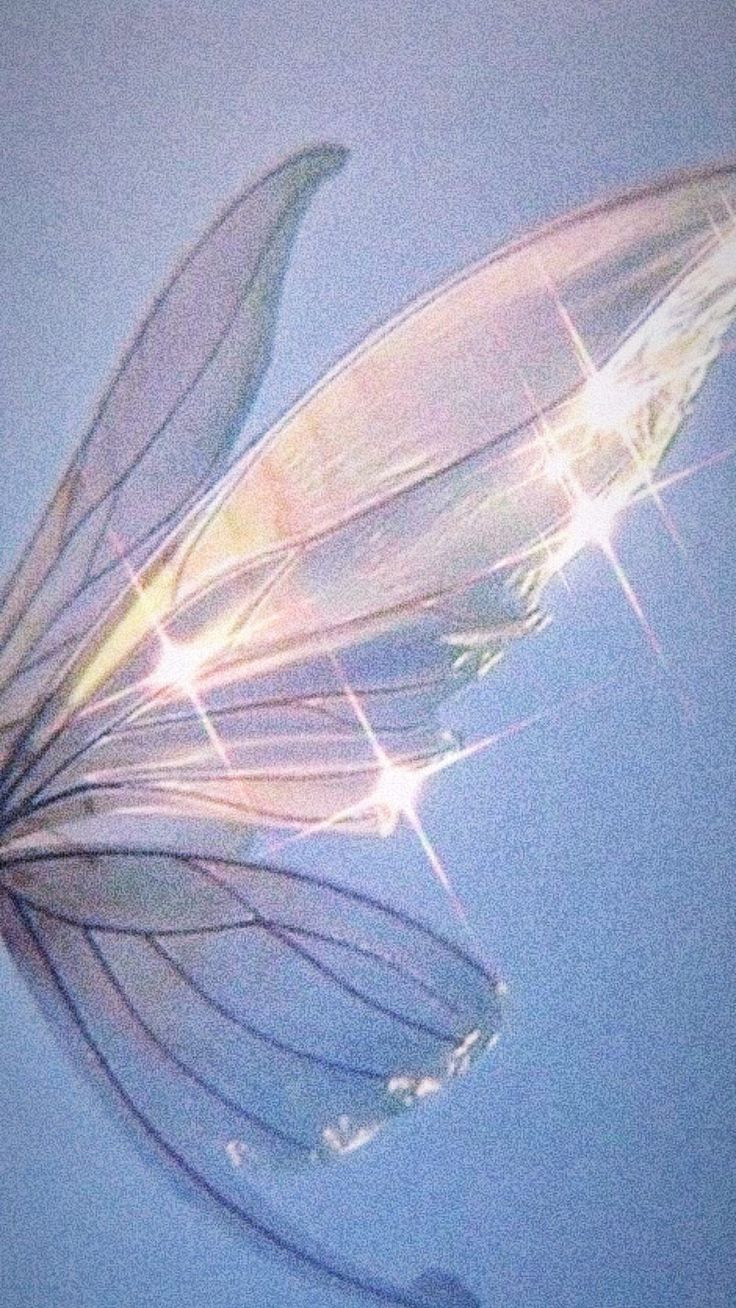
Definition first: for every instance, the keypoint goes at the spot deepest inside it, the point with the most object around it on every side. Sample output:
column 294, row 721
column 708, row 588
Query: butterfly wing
column 238, row 1014
column 162, row 431
column 394, row 533
column 389, row 538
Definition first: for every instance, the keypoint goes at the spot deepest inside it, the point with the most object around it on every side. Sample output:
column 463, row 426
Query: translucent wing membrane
column 395, row 531
column 255, row 650
column 283, row 749
column 163, row 427
column 242, row 1014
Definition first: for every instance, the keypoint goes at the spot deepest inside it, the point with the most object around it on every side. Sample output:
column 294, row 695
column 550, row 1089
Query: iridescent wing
column 239, row 1014
column 162, row 431
column 395, row 531
column 295, row 628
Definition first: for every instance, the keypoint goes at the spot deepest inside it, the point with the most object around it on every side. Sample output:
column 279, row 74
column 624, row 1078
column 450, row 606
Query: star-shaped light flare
column 176, row 671
column 396, row 792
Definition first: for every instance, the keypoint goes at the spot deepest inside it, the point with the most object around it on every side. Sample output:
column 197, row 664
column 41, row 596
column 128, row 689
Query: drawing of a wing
column 238, row 1015
column 162, row 430
column 395, row 531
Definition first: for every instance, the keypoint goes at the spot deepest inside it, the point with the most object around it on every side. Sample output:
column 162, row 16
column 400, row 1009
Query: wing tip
column 323, row 159
column 438, row 1289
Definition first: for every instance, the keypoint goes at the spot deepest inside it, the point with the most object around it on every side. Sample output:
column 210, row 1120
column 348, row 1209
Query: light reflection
column 395, row 794
column 178, row 666
column 576, row 449
column 592, row 522
column 609, row 401
column 556, row 465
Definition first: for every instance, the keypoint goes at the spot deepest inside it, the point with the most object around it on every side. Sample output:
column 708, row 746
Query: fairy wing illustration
column 242, row 1015
column 252, row 649
column 394, row 532
column 163, row 427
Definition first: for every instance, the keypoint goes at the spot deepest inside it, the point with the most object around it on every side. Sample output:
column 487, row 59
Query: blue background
column 589, row 1160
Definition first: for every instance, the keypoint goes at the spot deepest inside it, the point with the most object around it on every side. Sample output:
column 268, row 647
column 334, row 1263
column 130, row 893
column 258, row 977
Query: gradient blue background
column 589, row 1161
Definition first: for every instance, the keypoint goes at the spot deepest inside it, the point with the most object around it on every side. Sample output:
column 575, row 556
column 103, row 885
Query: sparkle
column 396, row 793
column 633, row 601
column 592, row 522
column 461, row 1058
column 408, row 1089
column 556, row 465
column 684, row 474
column 609, row 402
column 393, row 797
column 236, row 1152
column 178, row 666
column 177, row 670
column 345, row 1136
column 398, row 787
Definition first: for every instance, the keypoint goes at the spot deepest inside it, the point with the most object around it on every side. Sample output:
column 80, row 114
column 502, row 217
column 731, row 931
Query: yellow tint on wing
column 147, row 604
column 494, row 428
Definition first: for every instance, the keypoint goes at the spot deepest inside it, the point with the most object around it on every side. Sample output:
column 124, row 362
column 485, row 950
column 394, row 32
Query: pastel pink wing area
column 162, row 431
column 395, row 532
column 238, row 1015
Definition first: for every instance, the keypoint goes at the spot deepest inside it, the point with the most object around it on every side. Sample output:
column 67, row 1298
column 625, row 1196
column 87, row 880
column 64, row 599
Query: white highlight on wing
column 178, row 667
column 406, row 517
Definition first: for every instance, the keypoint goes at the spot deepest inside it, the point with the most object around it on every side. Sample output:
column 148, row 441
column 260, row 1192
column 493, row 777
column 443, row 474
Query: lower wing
column 239, row 1016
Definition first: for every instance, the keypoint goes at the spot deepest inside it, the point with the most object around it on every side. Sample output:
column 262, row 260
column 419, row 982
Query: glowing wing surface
column 251, row 648
column 394, row 532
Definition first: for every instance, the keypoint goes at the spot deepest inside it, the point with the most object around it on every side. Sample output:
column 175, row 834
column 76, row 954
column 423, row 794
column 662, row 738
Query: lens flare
column 592, row 522
column 395, row 794
column 178, row 666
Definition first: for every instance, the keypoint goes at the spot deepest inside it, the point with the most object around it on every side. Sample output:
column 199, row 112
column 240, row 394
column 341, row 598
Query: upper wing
column 395, row 530
column 237, row 1014
column 162, row 430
